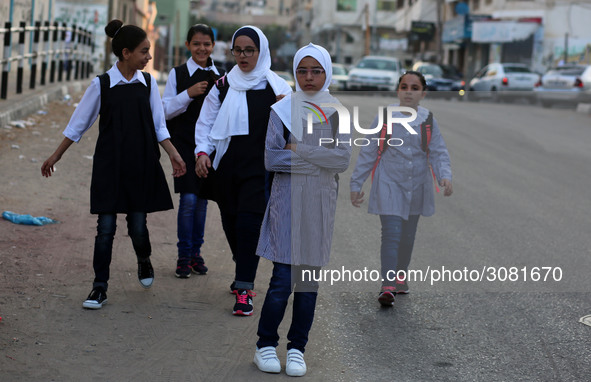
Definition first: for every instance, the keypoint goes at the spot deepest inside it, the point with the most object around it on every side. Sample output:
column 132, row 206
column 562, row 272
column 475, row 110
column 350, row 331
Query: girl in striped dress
column 297, row 230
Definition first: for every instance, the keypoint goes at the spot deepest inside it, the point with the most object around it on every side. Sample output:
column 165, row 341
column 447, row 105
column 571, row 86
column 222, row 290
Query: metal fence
column 61, row 50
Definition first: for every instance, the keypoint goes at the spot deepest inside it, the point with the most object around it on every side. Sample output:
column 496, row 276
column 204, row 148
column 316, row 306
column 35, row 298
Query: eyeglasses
column 248, row 52
column 315, row 72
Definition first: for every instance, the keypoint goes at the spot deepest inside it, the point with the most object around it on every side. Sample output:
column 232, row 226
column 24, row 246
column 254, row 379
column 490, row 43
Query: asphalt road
column 514, row 238
column 521, row 178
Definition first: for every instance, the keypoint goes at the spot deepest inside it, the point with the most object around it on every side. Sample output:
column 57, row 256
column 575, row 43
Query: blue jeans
column 304, row 304
column 398, row 238
column 190, row 225
column 103, row 243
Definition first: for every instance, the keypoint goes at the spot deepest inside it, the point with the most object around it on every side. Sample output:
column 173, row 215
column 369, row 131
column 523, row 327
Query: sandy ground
column 179, row 330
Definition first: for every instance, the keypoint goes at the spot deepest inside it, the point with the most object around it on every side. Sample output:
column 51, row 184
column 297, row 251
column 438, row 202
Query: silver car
column 501, row 81
column 565, row 84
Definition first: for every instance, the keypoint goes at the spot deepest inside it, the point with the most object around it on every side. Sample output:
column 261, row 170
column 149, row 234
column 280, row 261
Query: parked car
column 375, row 73
column 339, row 77
column 502, row 81
column 565, row 84
column 458, row 85
column 437, row 84
column 287, row 77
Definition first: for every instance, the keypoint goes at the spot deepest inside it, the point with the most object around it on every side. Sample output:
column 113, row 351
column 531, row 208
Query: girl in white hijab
column 233, row 123
column 297, row 230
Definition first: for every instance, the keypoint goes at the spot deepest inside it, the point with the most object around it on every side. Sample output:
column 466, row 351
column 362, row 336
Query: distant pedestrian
column 297, row 231
column 186, row 88
column 126, row 174
column 233, row 123
column 402, row 183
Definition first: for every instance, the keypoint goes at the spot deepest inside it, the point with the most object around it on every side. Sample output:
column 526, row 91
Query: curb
column 24, row 105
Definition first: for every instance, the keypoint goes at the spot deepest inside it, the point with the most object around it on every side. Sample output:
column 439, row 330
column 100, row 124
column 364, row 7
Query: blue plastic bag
column 26, row 219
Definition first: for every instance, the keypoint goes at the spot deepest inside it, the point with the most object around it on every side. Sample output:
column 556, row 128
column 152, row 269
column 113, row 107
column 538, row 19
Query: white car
column 501, row 81
column 565, row 84
column 339, row 77
column 287, row 77
column 375, row 73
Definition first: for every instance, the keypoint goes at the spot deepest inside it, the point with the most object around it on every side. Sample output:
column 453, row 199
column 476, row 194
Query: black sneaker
column 243, row 306
column 233, row 287
column 387, row 296
column 95, row 299
column 183, row 270
column 198, row 265
column 145, row 273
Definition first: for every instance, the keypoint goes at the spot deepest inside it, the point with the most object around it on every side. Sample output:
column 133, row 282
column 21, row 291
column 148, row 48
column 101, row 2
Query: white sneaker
column 266, row 360
column 295, row 366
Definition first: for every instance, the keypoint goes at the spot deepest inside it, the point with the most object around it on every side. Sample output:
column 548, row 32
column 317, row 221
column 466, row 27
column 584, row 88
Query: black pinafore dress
column 126, row 171
column 182, row 127
column 241, row 175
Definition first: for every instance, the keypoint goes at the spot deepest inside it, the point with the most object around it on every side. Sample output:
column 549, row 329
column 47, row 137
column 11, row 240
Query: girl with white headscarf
column 297, row 230
column 233, row 123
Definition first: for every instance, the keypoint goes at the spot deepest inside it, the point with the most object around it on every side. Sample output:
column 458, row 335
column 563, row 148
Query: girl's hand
column 197, row 89
column 357, row 198
column 202, row 165
column 446, row 184
column 291, row 146
column 47, row 167
column 178, row 165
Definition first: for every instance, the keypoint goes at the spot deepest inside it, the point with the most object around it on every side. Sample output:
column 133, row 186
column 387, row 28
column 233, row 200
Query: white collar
column 422, row 114
column 116, row 77
column 192, row 66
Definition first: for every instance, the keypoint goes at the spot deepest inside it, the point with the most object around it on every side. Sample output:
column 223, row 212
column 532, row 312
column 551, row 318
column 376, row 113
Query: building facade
column 538, row 33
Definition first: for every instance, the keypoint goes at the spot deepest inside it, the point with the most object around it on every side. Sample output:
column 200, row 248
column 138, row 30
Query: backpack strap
column 382, row 141
column 426, row 129
column 223, row 86
column 426, row 132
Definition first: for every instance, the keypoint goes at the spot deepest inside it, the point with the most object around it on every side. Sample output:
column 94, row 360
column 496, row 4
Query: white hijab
column 232, row 118
column 294, row 108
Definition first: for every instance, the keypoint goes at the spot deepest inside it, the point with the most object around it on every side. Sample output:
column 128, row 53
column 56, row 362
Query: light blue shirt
column 403, row 183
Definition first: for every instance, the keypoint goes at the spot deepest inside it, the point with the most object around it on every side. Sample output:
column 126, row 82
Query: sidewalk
column 179, row 330
column 18, row 106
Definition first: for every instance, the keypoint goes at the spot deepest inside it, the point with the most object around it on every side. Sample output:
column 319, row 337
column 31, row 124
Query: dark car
column 441, row 82
column 451, row 72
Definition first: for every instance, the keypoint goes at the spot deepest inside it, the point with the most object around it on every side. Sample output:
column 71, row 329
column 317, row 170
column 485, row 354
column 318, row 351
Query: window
column 516, row 69
column 386, row 5
column 399, row 4
column 346, row 5
column 475, row 4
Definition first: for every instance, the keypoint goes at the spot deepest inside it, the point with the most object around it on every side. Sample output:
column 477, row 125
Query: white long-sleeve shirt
column 176, row 104
column 90, row 105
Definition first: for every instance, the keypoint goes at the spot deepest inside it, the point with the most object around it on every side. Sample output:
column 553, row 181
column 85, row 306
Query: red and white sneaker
column 387, row 296
column 243, row 306
column 401, row 286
